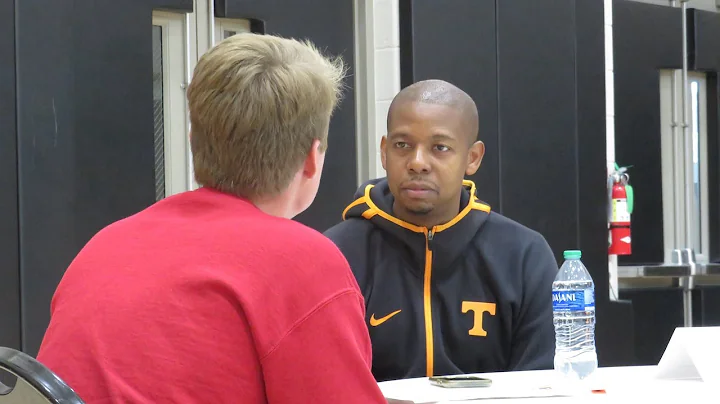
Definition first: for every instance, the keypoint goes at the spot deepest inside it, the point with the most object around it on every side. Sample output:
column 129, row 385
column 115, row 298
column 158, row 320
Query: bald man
column 450, row 287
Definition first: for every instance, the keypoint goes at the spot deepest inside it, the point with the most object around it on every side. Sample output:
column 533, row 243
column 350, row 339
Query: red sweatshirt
column 202, row 298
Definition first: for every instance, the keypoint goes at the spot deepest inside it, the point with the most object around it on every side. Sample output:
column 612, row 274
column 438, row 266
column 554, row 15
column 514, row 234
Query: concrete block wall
column 387, row 64
column 378, row 70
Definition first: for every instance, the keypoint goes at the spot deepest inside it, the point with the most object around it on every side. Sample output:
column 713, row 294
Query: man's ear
column 383, row 152
column 474, row 157
column 313, row 161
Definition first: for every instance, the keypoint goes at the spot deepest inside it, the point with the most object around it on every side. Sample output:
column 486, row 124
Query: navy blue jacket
column 472, row 295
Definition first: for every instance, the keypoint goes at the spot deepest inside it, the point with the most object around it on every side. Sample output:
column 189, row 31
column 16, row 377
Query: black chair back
column 36, row 384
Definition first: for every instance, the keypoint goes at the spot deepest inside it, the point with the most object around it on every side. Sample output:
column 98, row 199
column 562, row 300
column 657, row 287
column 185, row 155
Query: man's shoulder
column 286, row 229
column 293, row 236
column 348, row 230
column 503, row 229
column 239, row 232
column 505, row 239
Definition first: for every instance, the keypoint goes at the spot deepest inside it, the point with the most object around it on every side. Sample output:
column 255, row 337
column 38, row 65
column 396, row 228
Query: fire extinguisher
column 621, row 201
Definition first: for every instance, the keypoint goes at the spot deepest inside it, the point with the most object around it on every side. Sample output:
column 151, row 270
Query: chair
column 36, row 384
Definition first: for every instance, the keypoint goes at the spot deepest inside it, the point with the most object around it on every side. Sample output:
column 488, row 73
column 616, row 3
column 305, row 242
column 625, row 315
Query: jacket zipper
column 427, row 297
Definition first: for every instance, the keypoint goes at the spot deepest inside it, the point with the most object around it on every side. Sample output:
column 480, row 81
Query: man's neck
column 428, row 220
column 279, row 205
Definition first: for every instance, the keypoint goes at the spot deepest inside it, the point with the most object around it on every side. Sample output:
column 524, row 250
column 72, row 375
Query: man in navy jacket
column 450, row 287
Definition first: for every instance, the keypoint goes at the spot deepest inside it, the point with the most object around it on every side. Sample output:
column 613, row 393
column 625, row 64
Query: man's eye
column 401, row 145
column 442, row 148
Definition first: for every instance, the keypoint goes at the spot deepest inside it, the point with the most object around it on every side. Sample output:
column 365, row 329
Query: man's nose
column 419, row 161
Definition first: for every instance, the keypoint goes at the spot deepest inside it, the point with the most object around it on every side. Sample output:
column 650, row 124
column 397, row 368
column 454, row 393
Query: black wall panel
column 538, row 118
column 709, row 301
column 172, row 5
column 460, row 19
column 330, row 25
column 704, row 52
column 646, row 38
column 713, row 156
column 9, row 259
column 85, row 130
column 544, row 61
column 590, row 139
column 657, row 313
column 653, row 331
column 614, row 349
column 704, row 40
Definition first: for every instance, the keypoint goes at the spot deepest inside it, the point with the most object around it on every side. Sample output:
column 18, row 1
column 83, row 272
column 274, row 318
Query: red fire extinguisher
column 621, row 200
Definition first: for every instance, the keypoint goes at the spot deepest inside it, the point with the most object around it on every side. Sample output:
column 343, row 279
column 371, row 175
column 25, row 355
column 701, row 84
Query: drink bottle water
column 573, row 298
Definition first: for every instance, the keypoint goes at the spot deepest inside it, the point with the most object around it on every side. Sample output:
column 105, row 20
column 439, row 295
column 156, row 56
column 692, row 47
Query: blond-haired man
column 215, row 295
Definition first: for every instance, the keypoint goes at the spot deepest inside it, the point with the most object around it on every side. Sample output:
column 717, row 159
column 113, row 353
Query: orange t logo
column 478, row 309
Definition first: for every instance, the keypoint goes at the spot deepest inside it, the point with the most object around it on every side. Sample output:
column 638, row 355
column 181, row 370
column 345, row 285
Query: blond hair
column 257, row 103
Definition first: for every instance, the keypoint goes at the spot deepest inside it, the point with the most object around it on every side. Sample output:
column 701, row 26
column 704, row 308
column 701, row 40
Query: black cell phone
column 460, row 381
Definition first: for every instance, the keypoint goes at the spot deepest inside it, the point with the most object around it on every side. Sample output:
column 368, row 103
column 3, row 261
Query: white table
column 637, row 385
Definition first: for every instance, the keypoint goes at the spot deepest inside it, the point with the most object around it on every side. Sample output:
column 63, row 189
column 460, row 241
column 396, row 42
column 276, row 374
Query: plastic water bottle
column 573, row 298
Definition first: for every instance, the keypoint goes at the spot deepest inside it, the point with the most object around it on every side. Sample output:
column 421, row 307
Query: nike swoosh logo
column 376, row 322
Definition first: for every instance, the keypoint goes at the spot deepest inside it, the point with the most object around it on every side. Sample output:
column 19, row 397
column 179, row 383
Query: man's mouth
column 418, row 190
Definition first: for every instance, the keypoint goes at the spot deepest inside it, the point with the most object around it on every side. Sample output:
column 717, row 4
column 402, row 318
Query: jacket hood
column 374, row 203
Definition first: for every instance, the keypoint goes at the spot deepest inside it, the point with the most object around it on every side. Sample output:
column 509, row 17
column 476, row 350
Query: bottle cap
column 572, row 254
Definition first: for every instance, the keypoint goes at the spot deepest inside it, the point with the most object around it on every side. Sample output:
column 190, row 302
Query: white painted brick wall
column 610, row 129
column 380, row 66
column 609, row 85
column 386, row 20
